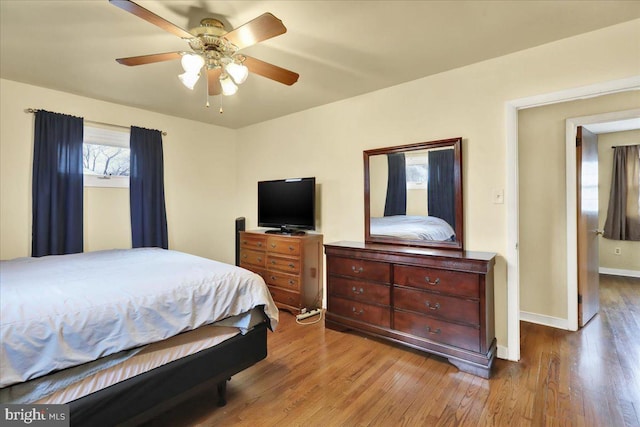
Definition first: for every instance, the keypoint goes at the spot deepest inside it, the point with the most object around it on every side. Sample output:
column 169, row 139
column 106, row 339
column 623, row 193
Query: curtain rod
column 33, row 110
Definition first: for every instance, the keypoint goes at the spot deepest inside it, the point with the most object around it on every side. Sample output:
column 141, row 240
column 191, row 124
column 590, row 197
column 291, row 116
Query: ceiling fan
column 215, row 49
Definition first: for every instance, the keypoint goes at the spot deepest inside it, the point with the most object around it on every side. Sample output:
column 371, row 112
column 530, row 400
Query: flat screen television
column 287, row 204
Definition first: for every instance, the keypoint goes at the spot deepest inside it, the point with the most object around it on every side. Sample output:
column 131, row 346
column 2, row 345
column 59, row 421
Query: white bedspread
column 61, row 311
column 412, row 227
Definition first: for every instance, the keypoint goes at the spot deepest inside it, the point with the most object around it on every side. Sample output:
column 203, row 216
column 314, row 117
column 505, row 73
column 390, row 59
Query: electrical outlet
column 617, row 251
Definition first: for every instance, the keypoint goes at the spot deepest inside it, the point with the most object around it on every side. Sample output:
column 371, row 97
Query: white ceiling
column 340, row 48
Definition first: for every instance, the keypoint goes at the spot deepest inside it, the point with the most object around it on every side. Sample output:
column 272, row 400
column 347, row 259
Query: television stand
column 287, row 231
column 290, row 265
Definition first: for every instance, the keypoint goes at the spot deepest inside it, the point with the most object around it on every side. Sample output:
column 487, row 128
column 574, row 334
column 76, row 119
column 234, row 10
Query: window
column 416, row 168
column 105, row 157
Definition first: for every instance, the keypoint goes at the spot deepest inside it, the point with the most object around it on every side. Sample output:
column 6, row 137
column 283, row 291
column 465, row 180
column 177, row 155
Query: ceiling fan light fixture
column 189, row 79
column 192, row 63
column 238, row 72
column 227, row 84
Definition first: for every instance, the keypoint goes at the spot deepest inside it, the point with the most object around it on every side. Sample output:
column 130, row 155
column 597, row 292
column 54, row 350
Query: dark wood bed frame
column 140, row 398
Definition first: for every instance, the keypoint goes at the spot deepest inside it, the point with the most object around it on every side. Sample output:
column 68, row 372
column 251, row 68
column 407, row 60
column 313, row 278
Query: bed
column 117, row 334
column 412, row 227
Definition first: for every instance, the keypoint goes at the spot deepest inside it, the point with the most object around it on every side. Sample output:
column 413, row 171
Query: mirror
column 413, row 194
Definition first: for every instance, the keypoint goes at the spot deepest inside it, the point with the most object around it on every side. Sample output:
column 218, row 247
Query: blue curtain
column 57, row 185
column 146, row 190
column 440, row 192
column 396, row 201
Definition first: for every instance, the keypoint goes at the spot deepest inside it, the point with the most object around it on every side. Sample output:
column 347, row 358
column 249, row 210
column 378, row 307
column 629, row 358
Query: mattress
column 74, row 383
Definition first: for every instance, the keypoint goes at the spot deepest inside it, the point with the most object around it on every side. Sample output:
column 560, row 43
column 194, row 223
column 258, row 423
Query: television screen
column 287, row 203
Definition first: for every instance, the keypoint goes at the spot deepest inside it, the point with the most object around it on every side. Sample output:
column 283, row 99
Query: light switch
column 498, row 196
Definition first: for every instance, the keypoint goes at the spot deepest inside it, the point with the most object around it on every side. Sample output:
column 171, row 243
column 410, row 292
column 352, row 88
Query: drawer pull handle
column 291, row 248
column 292, row 282
column 244, row 256
column 432, row 307
column 357, row 270
column 429, row 282
column 356, row 291
column 357, row 313
column 244, row 242
column 273, row 245
column 259, row 244
column 259, row 259
column 436, row 332
column 291, row 265
column 273, row 262
column 273, row 277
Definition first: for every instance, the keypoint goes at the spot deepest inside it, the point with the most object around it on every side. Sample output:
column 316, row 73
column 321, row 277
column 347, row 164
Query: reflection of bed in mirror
column 412, row 227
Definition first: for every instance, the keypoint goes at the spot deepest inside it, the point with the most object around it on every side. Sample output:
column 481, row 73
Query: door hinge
column 579, row 299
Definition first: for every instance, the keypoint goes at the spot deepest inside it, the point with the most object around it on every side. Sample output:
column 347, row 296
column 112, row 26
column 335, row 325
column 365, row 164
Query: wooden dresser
column 290, row 265
column 439, row 301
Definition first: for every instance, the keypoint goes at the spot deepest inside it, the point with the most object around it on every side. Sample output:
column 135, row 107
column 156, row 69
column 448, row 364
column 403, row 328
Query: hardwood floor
column 318, row 377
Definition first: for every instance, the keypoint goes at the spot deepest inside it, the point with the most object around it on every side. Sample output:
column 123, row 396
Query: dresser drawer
column 466, row 337
column 287, row 281
column 285, row 297
column 359, row 290
column 253, row 241
column 287, row 265
column 437, row 305
column 366, row 270
column 445, row 281
column 367, row 313
column 282, row 245
column 252, row 257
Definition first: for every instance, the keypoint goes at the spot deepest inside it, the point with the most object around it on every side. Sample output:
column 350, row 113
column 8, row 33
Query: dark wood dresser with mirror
column 411, row 282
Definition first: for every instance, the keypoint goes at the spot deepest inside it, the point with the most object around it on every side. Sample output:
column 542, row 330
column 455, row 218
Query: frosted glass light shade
column 189, row 79
column 192, row 63
column 228, row 87
column 238, row 72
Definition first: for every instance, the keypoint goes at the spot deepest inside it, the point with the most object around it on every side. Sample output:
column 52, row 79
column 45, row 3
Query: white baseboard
column 502, row 352
column 541, row 319
column 618, row 272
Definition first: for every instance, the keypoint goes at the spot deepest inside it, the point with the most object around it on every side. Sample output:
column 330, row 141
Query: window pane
column 417, row 174
column 105, row 160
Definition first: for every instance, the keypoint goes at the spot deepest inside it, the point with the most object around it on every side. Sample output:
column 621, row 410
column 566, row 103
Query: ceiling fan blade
column 213, row 76
column 261, row 28
column 271, row 71
column 151, row 17
column 149, row 59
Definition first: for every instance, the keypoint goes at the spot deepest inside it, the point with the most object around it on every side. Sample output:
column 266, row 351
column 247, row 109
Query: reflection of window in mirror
column 417, row 171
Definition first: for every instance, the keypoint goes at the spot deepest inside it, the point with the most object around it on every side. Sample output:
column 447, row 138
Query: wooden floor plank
column 319, row 377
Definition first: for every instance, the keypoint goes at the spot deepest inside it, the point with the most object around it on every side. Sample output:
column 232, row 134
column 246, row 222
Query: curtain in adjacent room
column 57, row 185
column 396, row 201
column 623, row 214
column 146, row 190
column 440, row 186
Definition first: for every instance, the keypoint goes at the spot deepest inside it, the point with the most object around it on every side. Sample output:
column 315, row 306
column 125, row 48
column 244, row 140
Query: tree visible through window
column 105, row 160
column 106, row 157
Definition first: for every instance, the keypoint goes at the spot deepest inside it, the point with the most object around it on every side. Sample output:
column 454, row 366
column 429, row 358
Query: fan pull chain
column 221, row 110
column 206, row 94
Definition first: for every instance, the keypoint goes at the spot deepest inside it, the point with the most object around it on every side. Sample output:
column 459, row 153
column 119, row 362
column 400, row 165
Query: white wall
column 328, row 141
column 199, row 162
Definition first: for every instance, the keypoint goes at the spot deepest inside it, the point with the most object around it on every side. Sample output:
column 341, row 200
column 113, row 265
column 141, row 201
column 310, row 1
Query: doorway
column 597, row 124
column 512, row 350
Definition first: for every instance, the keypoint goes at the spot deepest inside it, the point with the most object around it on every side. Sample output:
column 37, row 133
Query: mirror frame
column 456, row 143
